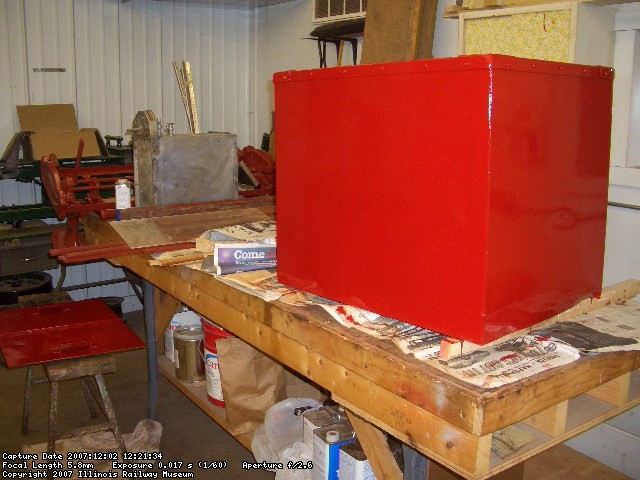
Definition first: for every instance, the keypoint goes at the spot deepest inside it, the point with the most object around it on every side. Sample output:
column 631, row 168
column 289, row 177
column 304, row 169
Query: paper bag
column 251, row 384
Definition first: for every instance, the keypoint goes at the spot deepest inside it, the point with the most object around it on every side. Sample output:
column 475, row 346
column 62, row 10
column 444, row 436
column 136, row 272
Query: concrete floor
column 188, row 435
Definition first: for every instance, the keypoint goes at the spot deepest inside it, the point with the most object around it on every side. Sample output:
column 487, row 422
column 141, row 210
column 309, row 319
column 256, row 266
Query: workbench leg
column 27, row 400
column 53, row 415
column 374, row 444
column 415, row 464
column 152, row 359
column 165, row 307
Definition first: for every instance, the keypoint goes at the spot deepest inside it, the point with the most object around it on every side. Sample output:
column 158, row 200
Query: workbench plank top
column 470, row 408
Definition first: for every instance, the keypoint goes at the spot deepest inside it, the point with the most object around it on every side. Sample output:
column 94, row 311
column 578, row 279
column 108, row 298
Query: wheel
column 114, row 303
column 13, row 286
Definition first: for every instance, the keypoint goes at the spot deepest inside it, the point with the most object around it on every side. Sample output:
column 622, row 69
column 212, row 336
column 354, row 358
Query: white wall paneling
column 281, row 46
column 140, row 69
column 622, row 90
column 13, row 74
column 614, row 447
column 97, row 57
column 633, row 146
column 49, row 34
column 216, row 41
column 117, row 60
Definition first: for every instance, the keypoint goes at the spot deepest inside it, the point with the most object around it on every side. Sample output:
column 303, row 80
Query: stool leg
column 89, row 397
column 110, row 413
column 27, row 400
column 53, row 412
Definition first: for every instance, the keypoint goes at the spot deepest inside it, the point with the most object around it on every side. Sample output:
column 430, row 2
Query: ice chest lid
column 462, row 63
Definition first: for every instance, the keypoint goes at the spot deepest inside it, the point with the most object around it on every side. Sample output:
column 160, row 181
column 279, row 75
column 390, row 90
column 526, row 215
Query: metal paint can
column 123, row 196
column 326, row 449
column 188, row 355
column 212, row 333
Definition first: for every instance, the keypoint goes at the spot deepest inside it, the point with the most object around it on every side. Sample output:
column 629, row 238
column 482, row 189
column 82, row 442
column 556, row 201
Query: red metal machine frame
column 261, row 168
column 75, row 191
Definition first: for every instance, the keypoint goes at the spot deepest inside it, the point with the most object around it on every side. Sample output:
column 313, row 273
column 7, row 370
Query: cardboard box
column 55, row 130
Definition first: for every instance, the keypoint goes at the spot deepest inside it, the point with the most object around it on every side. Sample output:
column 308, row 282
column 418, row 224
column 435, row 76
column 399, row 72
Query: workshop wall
column 117, row 59
column 113, row 59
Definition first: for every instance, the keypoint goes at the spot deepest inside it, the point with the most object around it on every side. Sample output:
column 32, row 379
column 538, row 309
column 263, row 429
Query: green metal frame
column 29, row 172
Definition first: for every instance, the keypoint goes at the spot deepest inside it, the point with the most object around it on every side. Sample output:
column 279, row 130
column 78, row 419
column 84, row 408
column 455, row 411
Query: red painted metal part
column 75, row 191
column 263, row 169
column 88, row 253
column 467, row 195
column 29, row 336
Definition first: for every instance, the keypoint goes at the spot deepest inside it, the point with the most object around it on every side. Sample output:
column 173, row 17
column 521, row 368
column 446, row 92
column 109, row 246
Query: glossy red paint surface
column 29, row 336
column 467, row 196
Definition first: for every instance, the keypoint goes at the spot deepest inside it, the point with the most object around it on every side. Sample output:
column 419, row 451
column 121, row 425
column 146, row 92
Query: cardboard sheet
column 147, row 232
column 56, row 131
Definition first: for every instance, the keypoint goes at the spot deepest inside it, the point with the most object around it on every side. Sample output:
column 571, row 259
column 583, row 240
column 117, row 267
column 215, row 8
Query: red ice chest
column 465, row 195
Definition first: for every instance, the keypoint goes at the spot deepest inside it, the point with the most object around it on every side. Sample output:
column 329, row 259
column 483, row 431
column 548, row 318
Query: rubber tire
column 114, row 303
column 14, row 286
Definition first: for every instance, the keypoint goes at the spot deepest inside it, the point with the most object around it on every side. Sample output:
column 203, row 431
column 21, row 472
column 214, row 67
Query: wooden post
column 615, row 392
column 374, row 444
column 166, row 307
column 398, row 30
column 551, row 421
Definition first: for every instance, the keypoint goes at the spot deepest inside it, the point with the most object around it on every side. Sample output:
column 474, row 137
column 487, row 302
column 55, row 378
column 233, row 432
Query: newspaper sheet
column 263, row 230
column 509, row 361
column 260, row 283
column 488, row 367
column 609, row 329
column 419, row 342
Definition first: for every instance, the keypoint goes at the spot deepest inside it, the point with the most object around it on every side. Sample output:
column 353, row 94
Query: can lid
column 332, row 436
column 188, row 333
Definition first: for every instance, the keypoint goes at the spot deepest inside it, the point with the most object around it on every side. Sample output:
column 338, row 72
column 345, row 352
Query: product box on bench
column 466, row 195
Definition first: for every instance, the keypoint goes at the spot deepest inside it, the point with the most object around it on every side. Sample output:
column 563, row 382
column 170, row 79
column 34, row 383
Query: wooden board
column 197, row 392
column 374, row 444
column 265, row 203
column 398, row 30
column 146, row 232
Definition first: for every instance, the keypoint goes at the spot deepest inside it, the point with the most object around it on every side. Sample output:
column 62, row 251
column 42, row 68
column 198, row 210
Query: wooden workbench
column 446, row 419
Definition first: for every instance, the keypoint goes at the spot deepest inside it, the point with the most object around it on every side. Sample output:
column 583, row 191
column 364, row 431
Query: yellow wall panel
column 539, row 35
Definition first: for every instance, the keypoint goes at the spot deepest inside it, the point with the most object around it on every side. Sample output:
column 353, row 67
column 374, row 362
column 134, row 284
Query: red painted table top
column 48, row 333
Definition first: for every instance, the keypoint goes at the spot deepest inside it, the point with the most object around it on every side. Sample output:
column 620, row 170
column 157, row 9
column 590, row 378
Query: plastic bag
column 284, row 423
column 298, row 452
column 260, row 447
